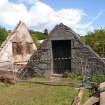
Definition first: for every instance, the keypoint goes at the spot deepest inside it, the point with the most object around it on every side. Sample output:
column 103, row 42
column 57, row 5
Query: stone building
column 63, row 52
column 17, row 48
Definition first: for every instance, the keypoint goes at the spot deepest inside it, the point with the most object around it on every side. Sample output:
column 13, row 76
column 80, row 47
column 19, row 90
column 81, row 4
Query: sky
column 81, row 15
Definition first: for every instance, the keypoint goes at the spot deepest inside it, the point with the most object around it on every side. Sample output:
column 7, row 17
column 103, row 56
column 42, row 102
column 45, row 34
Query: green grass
column 35, row 94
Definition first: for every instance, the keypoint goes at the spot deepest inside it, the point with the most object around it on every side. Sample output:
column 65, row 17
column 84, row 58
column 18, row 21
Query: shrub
column 98, row 78
column 72, row 76
column 65, row 75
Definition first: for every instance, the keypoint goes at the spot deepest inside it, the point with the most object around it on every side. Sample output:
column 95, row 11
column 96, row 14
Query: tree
column 96, row 40
column 46, row 33
column 3, row 34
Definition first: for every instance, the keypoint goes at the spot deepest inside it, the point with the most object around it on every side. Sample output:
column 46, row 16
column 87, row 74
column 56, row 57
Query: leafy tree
column 36, row 41
column 37, row 36
column 96, row 40
column 3, row 34
column 46, row 33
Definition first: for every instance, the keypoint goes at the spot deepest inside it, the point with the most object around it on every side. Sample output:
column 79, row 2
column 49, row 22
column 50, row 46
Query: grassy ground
column 35, row 94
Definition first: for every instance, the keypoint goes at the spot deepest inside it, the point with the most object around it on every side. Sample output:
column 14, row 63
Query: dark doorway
column 61, row 51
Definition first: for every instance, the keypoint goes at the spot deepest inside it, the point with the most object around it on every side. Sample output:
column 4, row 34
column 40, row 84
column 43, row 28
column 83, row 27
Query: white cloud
column 44, row 16
column 27, row 1
column 100, row 13
column 11, row 13
column 83, row 28
column 41, row 15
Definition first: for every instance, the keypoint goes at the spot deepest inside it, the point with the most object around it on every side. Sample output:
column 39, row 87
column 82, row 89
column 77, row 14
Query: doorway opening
column 61, row 52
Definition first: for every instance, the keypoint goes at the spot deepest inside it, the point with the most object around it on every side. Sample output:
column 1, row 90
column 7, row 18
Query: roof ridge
column 66, row 28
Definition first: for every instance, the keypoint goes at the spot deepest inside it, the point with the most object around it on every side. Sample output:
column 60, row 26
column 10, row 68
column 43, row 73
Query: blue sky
column 81, row 15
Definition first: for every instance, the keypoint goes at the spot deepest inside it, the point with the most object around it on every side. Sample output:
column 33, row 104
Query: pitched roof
column 63, row 30
column 15, row 34
column 19, row 34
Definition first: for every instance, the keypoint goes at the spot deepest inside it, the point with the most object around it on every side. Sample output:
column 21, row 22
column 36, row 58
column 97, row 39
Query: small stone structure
column 63, row 52
column 16, row 49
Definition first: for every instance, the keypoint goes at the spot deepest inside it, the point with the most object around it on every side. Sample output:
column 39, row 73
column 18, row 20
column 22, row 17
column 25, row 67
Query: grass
column 35, row 94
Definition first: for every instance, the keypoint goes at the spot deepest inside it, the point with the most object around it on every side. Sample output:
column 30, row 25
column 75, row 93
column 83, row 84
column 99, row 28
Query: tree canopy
column 37, row 36
column 3, row 34
column 96, row 40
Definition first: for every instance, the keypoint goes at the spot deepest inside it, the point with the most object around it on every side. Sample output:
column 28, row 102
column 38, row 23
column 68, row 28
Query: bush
column 65, row 75
column 98, row 79
column 3, row 34
column 72, row 76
